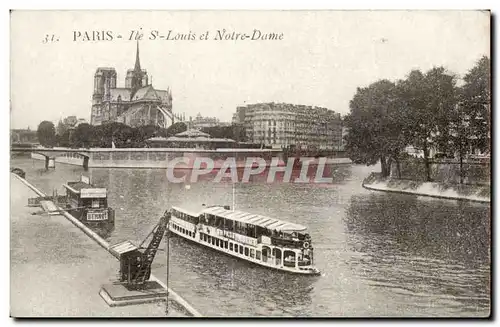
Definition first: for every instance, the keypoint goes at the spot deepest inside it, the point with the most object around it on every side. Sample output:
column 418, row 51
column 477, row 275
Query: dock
column 57, row 271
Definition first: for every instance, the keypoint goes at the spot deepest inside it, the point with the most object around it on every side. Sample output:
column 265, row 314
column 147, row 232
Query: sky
column 322, row 58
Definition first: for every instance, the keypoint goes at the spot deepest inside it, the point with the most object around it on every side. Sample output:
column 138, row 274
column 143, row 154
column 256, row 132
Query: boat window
column 231, row 246
column 257, row 255
column 217, row 241
column 225, row 244
column 236, row 248
column 246, row 251
column 252, row 253
column 209, row 239
column 213, row 241
column 241, row 249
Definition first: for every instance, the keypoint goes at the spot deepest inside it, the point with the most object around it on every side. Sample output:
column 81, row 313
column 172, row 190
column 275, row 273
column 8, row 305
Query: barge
column 87, row 202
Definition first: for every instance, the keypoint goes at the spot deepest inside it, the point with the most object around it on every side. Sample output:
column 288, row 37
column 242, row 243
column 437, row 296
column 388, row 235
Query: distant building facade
column 72, row 122
column 23, row 136
column 200, row 122
column 282, row 125
column 136, row 104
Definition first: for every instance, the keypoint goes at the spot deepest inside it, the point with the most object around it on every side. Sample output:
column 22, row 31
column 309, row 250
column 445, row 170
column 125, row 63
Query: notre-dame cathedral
column 136, row 104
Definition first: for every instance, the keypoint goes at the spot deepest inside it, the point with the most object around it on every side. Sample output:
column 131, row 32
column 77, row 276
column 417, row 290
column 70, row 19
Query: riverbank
column 475, row 193
column 57, row 271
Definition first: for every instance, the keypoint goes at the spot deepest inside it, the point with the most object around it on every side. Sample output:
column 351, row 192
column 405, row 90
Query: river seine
column 380, row 254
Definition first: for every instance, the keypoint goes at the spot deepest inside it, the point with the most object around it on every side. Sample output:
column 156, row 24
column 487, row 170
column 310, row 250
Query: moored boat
column 255, row 238
column 87, row 202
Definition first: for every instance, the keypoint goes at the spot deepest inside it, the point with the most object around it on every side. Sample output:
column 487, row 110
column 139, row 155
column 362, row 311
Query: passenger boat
column 259, row 239
column 88, row 203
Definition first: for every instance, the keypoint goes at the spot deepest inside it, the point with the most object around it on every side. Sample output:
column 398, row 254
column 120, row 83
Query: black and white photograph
column 250, row 164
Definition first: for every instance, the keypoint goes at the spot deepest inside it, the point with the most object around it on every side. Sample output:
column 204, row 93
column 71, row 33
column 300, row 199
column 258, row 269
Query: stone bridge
column 51, row 153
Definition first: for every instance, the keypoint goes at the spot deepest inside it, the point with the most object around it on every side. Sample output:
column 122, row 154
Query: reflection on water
column 423, row 248
column 380, row 254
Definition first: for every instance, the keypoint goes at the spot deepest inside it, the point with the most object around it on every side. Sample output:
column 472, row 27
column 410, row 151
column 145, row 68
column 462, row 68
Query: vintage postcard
column 250, row 163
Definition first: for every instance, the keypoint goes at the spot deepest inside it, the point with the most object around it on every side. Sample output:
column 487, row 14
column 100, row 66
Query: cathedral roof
column 164, row 95
column 145, row 93
column 122, row 92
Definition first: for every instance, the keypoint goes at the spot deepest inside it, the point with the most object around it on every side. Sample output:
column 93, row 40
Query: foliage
column 46, row 133
column 61, row 128
column 476, row 102
column 235, row 132
column 82, row 136
column 428, row 100
column 375, row 123
column 425, row 110
column 176, row 128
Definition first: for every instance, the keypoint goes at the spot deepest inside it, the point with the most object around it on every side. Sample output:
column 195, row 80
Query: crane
column 135, row 262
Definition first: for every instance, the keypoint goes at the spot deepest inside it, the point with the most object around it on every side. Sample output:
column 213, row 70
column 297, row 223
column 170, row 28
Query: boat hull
column 195, row 237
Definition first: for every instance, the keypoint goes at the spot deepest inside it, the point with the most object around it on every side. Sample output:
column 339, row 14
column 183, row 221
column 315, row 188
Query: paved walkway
column 57, row 271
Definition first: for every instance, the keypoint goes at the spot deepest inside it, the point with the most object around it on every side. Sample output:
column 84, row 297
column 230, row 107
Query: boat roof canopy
column 86, row 190
column 248, row 218
column 77, row 186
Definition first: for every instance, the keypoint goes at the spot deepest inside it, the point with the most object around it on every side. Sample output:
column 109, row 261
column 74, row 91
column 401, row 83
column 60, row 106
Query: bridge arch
column 51, row 153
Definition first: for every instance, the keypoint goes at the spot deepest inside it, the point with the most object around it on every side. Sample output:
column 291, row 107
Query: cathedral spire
column 137, row 67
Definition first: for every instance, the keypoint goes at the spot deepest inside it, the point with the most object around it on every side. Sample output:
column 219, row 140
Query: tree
column 64, row 139
column 142, row 133
column 470, row 117
column 46, row 133
column 61, row 128
column 375, row 126
column 82, row 136
column 176, row 128
column 476, row 102
column 427, row 101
